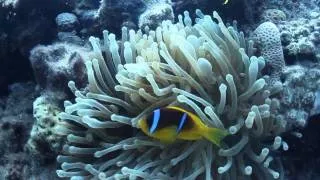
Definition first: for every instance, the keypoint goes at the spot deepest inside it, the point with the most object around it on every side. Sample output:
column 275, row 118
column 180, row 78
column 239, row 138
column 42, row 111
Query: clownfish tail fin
column 215, row 135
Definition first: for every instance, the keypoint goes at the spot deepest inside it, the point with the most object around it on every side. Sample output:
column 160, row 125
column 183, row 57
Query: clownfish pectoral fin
column 167, row 141
column 215, row 135
column 166, row 135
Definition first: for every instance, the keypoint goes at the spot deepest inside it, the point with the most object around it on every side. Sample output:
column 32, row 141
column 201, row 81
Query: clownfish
column 170, row 123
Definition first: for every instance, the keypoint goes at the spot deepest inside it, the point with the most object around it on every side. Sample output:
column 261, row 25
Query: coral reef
column 14, row 133
column 292, row 9
column 53, row 66
column 16, row 117
column 15, row 125
column 23, row 26
column 203, row 68
column 274, row 15
column 16, row 121
column 298, row 23
column 18, row 101
column 16, row 167
column 113, row 15
column 301, row 38
column 301, row 84
column 136, row 74
column 302, row 158
column 155, row 14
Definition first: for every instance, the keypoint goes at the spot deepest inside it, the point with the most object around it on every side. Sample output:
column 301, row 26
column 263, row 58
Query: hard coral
column 269, row 41
column 203, row 68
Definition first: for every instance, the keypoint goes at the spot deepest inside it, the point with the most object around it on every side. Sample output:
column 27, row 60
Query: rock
column 67, row 22
column 55, row 65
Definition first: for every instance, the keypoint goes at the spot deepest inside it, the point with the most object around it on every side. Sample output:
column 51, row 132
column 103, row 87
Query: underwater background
column 78, row 78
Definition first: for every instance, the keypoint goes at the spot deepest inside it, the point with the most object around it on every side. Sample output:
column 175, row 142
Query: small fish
column 226, row 1
column 170, row 123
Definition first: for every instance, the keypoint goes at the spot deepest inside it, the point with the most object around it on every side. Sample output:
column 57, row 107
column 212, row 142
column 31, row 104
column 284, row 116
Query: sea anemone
column 207, row 68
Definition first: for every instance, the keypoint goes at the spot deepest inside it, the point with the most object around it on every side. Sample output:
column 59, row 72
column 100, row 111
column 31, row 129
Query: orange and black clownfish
column 171, row 123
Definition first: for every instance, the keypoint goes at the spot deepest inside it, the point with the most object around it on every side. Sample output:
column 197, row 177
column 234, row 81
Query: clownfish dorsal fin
column 177, row 108
column 155, row 121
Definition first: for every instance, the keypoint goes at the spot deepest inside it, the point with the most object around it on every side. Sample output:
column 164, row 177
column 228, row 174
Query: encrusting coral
column 43, row 139
column 206, row 68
